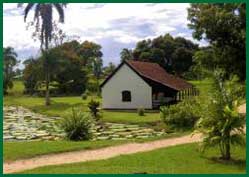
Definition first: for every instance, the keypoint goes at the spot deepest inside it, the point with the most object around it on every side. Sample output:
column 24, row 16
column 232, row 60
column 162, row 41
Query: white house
column 136, row 84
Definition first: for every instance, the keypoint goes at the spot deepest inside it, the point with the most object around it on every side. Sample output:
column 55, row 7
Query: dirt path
column 98, row 154
column 242, row 109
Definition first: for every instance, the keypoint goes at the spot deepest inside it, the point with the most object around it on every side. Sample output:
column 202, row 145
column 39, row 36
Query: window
column 126, row 96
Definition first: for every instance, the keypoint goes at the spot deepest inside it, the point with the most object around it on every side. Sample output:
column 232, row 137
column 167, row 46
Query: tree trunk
column 47, row 76
column 47, row 98
column 227, row 151
column 98, row 89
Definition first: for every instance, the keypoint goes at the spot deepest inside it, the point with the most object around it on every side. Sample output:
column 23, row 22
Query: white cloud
column 124, row 23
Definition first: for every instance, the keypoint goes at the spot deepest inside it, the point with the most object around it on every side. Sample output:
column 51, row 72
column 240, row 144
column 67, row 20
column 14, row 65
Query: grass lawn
column 131, row 117
column 60, row 105
column 28, row 149
column 171, row 160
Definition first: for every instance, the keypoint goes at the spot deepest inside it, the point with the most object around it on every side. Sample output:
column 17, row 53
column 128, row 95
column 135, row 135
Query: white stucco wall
column 126, row 79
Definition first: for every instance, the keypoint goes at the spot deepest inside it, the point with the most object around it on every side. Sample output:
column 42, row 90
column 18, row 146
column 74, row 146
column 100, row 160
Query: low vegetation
column 183, row 159
column 182, row 115
column 94, row 109
column 77, row 125
column 140, row 111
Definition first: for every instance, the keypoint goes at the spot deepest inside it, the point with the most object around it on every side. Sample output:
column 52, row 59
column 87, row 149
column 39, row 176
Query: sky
column 113, row 26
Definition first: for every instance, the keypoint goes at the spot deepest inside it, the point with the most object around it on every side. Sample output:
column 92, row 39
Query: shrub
column 84, row 96
column 140, row 111
column 182, row 115
column 77, row 125
column 94, row 109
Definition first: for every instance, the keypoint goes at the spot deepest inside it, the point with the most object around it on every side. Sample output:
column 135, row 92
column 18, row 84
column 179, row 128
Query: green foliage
column 220, row 122
column 43, row 19
column 182, row 115
column 173, row 54
column 203, row 64
column 43, row 24
column 32, row 75
column 126, row 54
column 224, row 27
column 68, row 68
column 9, row 61
column 107, row 70
column 84, row 96
column 77, row 125
column 94, row 109
column 140, row 111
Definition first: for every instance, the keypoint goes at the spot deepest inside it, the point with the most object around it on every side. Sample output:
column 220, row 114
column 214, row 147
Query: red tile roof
column 155, row 72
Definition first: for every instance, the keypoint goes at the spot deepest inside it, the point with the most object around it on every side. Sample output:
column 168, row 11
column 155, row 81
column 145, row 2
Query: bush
column 140, row 111
column 182, row 115
column 84, row 96
column 94, row 109
column 77, row 125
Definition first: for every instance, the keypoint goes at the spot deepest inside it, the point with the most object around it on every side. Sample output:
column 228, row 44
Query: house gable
column 125, row 80
column 117, row 69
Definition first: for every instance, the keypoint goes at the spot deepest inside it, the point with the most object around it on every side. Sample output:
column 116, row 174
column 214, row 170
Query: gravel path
column 89, row 155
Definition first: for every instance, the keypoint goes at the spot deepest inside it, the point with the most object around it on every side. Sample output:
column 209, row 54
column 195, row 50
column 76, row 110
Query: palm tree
column 221, row 124
column 9, row 61
column 43, row 21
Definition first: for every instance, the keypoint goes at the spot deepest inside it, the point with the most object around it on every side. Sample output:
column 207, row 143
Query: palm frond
column 60, row 11
column 37, row 11
column 27, row 9
column 238, row 139
column 19, row 4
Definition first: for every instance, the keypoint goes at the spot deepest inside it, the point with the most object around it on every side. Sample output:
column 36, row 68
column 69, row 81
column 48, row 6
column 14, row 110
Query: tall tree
column 173, row 54
column 224, row 27
column 109, row 69
column 97, row 70
column 32, row 75
column 88, row 51
column 126, row 54
column 43, row 20
column 9, row 61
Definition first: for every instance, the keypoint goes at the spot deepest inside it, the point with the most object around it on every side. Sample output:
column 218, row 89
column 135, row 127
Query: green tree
column 173, row 54
column 126, row 54
column 68, row 71
column 221, row 124
column 9, row 61
column 182, row 58
column 108, row 69
column 224, row 27
column 43, row 20
column 88, row 51
column 32, row 75
column 97, row 71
